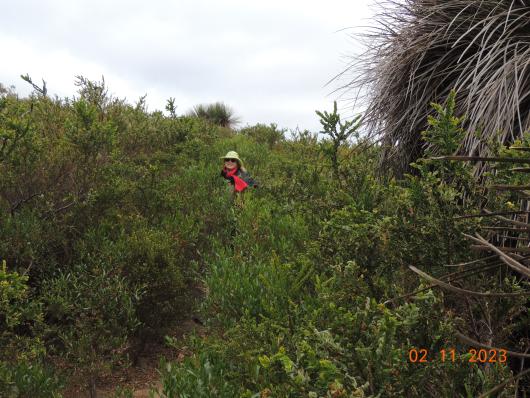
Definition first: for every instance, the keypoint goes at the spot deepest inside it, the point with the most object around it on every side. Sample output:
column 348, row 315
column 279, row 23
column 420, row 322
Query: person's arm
column 245, row 176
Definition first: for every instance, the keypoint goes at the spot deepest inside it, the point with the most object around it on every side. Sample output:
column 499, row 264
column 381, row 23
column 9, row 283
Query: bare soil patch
column 144, row 376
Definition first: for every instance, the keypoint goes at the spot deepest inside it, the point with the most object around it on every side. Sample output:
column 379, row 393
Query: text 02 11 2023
column 422, row 355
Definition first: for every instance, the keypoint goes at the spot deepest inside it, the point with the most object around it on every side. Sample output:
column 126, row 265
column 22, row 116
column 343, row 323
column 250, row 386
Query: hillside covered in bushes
column 115, row 225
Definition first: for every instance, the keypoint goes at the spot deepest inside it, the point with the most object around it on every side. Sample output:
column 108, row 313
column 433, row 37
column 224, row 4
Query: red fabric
column 239, row 183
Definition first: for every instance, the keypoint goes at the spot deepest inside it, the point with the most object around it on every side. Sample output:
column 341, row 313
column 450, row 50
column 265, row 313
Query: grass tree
column 217, row 113
column 420, row 50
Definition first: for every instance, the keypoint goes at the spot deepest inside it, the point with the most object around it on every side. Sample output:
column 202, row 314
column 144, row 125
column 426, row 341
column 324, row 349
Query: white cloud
column 268, row 60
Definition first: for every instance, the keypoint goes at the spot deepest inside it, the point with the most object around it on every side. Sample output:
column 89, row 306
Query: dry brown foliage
column 418, row 50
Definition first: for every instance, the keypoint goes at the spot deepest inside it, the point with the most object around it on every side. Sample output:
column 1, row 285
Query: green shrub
column 115, row 220
column 21, row 318
column 25, row 380
column 150, row 262
column 21, row 332
column 204, row 378
column 91, row 313
column 269, row 135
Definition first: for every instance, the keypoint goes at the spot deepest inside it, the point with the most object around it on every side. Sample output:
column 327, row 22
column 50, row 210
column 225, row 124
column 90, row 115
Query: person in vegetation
column 235, row 173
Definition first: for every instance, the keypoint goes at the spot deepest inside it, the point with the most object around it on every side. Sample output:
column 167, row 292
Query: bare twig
column 474, row 343
column 490, row 214
column 500, row 187
column 22, row 201
column 450, row 279
column 511, row 262
column 471, row 262
column 462, row 291
column 483, row 247
column 483, row 159
column 514, row 222
column 504, row 383
column 521, row 169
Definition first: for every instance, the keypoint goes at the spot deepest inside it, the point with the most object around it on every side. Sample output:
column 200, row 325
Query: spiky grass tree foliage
column 218, row 113
column 419, row 50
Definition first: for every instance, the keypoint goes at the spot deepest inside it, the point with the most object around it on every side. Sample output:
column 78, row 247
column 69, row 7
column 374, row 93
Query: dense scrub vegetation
column 112, row 218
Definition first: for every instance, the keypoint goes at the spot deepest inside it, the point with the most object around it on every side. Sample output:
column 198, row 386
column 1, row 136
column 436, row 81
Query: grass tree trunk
column 92, row 388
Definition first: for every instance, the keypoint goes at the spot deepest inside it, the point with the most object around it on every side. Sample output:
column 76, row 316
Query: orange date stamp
column 422, row 355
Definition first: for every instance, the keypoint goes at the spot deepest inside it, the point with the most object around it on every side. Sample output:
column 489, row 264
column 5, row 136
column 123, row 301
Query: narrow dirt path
column 140, row 379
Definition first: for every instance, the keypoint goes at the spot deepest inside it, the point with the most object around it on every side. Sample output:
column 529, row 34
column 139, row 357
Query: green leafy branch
column 339, row 132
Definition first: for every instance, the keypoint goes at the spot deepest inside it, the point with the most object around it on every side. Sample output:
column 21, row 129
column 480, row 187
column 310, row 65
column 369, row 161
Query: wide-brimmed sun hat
column 232, row 155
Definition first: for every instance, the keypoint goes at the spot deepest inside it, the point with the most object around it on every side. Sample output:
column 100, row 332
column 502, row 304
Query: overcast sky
column 269, row 60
